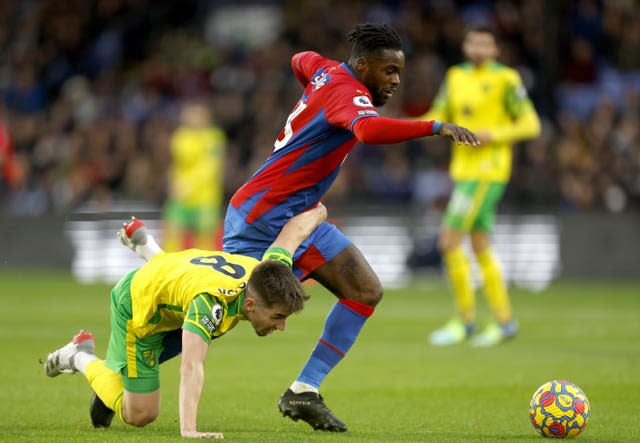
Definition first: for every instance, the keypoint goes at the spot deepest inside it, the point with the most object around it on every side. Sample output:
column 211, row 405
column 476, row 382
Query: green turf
column 392, row 386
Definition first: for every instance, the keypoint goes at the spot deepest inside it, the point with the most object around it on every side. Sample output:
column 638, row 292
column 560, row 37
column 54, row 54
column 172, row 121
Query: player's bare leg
column 140, row 409
column 137, row 409
column 135, row 237
column 352, row 280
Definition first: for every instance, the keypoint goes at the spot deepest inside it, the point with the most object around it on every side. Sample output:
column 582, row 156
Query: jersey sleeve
column 525, row 123
column 279, row 254
column 384, row 130
column 204, row 316
column 346, row 104
column 515, row 97
column 305, row 64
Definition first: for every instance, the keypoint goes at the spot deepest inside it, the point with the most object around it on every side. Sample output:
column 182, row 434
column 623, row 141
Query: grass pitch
column 391, row 387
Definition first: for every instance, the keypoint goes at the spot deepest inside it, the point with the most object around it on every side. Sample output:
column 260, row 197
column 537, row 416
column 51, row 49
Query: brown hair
column 274, row 283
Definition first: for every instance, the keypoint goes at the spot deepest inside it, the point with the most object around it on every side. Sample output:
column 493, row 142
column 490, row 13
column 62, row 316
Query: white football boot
column 61, row 360
column 135, row 237
column 495, row 334
column 452, row 333
column 133, row 234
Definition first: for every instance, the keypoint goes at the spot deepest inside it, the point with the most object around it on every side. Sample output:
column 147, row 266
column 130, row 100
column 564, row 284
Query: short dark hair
column 274, row 283
column 368, row 38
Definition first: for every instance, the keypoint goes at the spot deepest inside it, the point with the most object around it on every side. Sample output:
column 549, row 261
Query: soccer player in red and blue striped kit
column 337, row 109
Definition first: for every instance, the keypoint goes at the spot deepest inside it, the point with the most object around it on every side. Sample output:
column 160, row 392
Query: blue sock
column 341, row 328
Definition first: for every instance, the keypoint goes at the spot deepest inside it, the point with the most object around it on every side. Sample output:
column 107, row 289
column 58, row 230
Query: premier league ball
column 559, row 409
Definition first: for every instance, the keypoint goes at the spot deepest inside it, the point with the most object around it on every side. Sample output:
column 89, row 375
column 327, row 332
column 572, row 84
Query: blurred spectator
column 91, row 91
column 581, row 63
column 26, row 94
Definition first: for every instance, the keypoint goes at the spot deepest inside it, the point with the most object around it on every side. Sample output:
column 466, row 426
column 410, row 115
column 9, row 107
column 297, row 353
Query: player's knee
column 141, row 419
column 479, row 242
column 478, row 249
column 371, row 296
column 140, row 415
column 450, row 240
column 444, row 244
column 376, row 296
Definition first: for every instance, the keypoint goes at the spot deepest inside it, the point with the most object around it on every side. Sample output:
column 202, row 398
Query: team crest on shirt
column 212, row 323
column 319, row 80
column 216, row 314
column 362, row 100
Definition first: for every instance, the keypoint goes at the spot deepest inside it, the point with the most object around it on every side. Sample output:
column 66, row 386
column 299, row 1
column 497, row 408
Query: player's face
column 381, row 75
column 479, row 47
column 265, row 320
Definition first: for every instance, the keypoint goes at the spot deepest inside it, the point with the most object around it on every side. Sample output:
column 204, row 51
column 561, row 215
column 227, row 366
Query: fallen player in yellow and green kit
column 194, row 294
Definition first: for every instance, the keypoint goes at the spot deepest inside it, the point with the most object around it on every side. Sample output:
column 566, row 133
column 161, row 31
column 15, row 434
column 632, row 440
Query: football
column 559, row 409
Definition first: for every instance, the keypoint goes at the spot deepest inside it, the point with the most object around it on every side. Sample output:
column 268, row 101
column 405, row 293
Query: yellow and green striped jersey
column 488, row 98
column 170, row 290
column 197, row 168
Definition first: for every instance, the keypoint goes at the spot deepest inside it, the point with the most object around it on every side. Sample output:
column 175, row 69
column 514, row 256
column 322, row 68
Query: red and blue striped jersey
column 312, row 146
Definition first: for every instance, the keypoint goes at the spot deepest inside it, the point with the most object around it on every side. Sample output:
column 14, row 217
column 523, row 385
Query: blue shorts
column 324, row 243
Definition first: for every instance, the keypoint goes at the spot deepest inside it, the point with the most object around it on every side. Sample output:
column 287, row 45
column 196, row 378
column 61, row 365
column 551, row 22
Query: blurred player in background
column 194, row 205
column 488, row 98
column 337, row 108
column 200, row 294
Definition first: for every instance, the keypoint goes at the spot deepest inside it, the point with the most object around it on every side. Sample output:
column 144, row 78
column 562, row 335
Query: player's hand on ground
column 198, row 434
column 459, row 134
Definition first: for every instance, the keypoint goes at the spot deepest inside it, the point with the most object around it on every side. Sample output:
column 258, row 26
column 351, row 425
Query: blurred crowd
column 92, row 90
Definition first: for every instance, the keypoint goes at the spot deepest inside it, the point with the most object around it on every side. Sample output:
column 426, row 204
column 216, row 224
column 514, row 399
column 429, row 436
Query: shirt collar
column 348, row 69
column 235, row 307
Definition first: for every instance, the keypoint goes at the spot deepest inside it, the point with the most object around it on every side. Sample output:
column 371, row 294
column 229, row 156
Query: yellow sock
column 107, row 384
column 494, row 286
column 459, row 273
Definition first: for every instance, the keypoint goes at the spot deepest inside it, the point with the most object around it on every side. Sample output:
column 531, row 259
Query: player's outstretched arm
column 459, row 134
column 298, row 228
column 386, row 130
column 194, row 353
column 134, row 236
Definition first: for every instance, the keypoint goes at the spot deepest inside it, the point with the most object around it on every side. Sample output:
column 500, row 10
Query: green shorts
column 473, row 205
column 196, row 218
column 136, row 358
